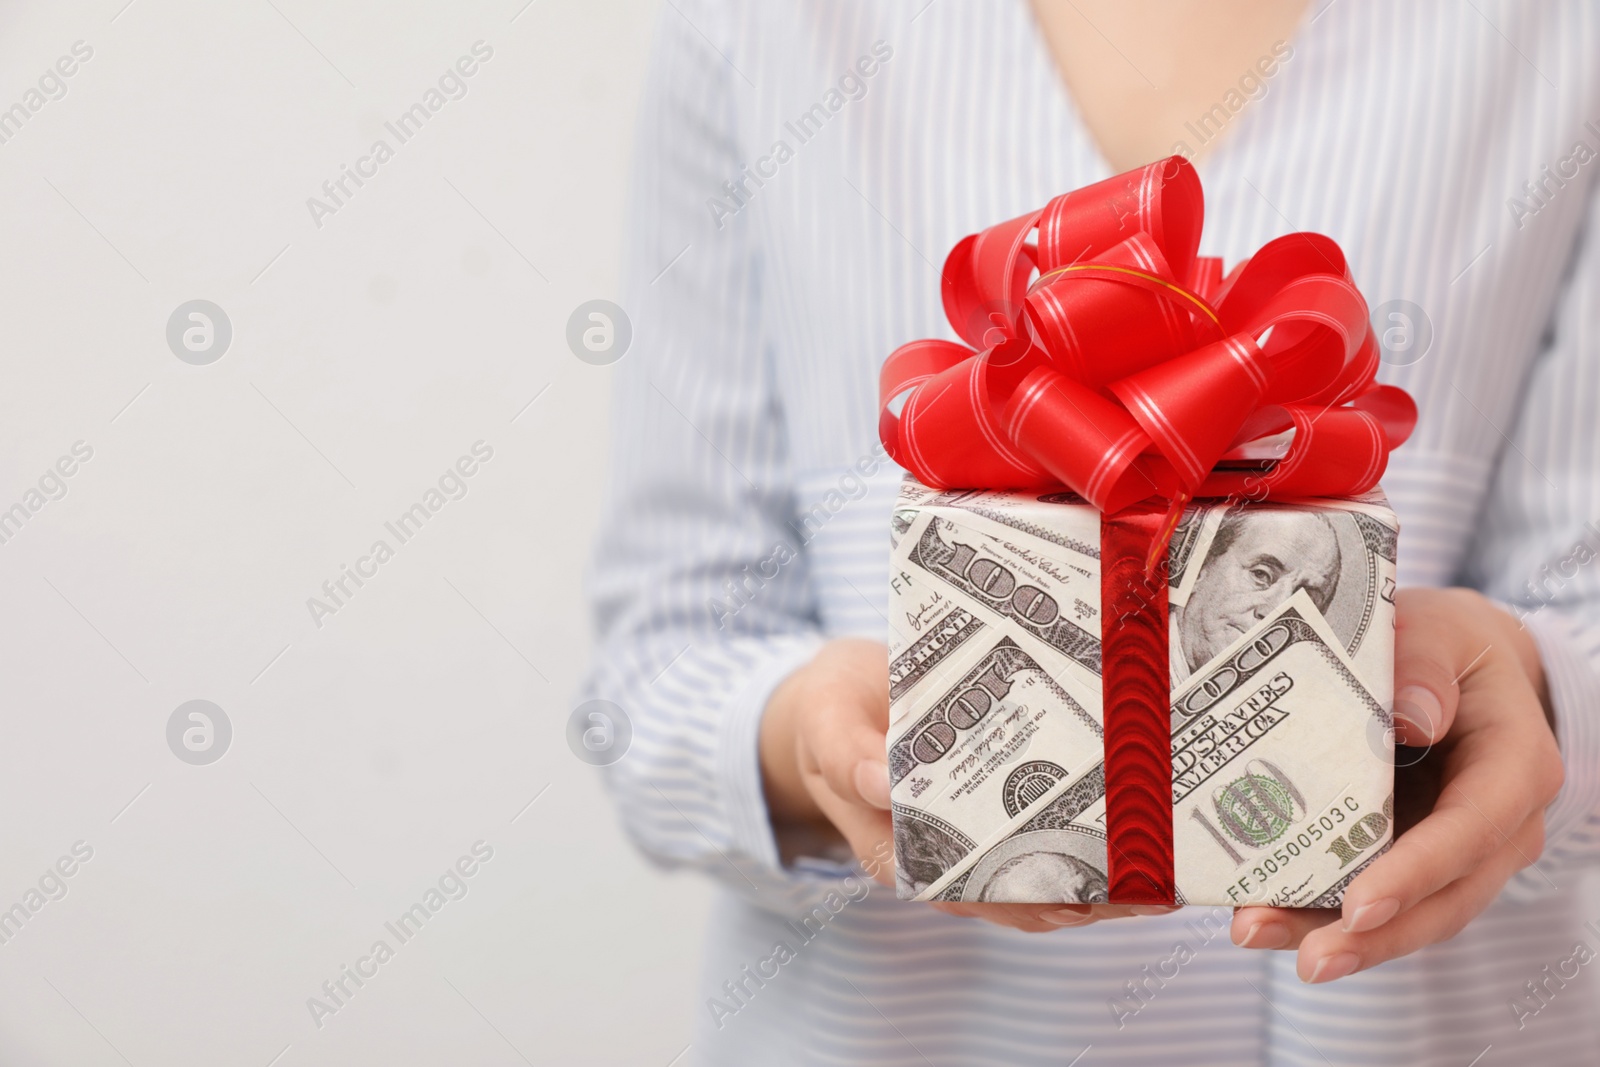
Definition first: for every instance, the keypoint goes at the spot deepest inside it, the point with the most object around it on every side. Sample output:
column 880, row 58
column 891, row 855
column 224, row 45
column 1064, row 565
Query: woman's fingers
column 1500, row 779
column 867, row 830
column 1460, row 678
column 1502, row 767
column 1324, row 941
column 849, row 755
column 1040, row 918
column 1277, row 927
column 1473, row 819
column 841, row 749
column 1329, row 952
column 821, row 722
column 844, row 737
column 1431, row 651
column 1024, row 917
column 1266, row 928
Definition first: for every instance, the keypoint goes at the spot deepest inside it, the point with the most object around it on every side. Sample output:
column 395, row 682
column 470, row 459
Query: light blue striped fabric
column 762, row 311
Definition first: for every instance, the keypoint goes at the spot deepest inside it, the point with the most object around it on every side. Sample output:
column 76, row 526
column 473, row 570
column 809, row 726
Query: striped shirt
column 802, row 169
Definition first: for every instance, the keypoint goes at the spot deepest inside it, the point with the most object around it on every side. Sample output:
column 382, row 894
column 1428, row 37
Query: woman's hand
column 1469, row 810
column 825, row 771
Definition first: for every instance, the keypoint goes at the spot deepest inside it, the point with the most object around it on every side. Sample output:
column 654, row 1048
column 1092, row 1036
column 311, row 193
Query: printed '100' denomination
column 1261, row 815
column 1022, row 587
column 957, row 770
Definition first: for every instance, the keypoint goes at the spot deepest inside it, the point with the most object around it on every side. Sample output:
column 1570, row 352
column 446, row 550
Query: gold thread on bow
column 1180, row 290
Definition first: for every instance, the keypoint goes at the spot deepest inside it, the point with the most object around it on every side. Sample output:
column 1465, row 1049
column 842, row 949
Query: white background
column 367, row 355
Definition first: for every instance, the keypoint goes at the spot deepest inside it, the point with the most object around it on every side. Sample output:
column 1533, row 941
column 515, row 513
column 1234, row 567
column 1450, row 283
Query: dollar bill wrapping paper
column 1281, row 657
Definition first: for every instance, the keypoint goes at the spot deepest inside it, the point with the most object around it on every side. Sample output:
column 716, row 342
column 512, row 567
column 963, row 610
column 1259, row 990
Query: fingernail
column 1371, row 916
column 1153, row 909
column 872, row 782
column 1066, row 917
column 1265, row 935
column 1417, row 714
column 1333, row 968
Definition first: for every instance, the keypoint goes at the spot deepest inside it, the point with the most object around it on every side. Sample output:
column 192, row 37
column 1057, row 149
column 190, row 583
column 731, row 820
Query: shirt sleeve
column 1538, row 553
column 699, row 589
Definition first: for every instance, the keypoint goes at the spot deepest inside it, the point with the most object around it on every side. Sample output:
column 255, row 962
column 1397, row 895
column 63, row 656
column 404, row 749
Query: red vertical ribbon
column 1138, row 731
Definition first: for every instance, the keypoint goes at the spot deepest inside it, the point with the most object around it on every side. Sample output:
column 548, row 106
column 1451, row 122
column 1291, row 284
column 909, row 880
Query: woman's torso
column 1407, row 133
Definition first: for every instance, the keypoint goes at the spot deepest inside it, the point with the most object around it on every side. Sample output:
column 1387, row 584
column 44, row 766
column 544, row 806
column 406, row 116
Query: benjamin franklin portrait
column 1257, row 560
column 1046, row 877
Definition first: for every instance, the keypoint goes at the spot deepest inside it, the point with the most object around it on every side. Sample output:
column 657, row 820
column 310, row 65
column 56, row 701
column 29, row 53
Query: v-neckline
column 1078, row 123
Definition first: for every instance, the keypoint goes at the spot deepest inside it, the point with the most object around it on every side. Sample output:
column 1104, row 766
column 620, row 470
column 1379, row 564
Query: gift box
column 1141, row 609
column 1279, row 669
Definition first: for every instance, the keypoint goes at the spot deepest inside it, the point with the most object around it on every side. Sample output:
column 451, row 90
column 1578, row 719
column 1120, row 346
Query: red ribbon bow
column 1130, row 367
